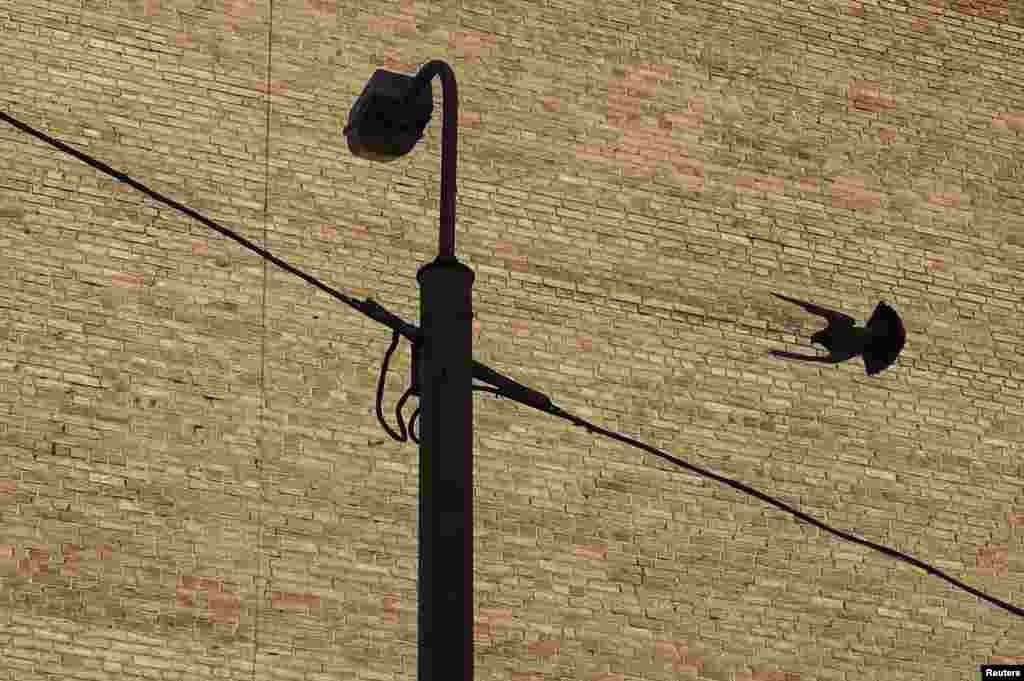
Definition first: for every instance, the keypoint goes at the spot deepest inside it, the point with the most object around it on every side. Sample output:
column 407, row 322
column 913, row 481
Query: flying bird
column 878, row 342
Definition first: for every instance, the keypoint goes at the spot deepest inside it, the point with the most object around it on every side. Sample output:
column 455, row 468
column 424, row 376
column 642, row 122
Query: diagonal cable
column 100, row 165
column 506, row 387
column 576, row 420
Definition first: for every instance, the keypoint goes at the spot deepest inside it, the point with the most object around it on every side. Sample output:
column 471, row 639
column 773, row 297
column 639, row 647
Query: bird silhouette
column 878, row 342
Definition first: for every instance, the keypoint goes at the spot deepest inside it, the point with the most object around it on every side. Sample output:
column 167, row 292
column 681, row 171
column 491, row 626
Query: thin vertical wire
column 261, row 588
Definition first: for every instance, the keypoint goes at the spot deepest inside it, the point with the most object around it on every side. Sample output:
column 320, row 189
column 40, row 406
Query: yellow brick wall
column 193, row 483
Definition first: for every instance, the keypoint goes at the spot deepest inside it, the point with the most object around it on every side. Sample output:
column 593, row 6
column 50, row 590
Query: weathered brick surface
column 193, row 483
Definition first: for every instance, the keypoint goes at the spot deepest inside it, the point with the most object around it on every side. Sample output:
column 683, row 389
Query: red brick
column 8, row 487
column 691, row 172
column 273, row 87
column 392, row 612
column 678, row 651
column 1012, row 120
column 387, row 24
column 674, row 649
column 935, row 263
column 183, row 598
column 322, row 8
column 590, row 152
column 866, row 95
column 946, row 199
column 37, row 563
column 544, row 648
column 213, row 584
column 688, row 663
column 496, row 615
column 645, row 77
column 551, row 104
column 188, row 582
column 624, row 94
column 520, row 328
column 235, row 11
column 287, row 600
column 693, row 117
column 748, row 184
column 808, row 185
column 850, row 192
column 127, row 279
column 988, row 9
column 471, row 44
column 469, row 119
column 592, row 551
column 224, row 607
column 72, row 560
column 993, row 559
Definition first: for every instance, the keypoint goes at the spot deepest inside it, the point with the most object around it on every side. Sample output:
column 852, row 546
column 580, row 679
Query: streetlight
column 384, row 124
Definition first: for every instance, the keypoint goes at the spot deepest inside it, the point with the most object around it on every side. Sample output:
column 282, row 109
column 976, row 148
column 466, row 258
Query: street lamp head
column 389, row 117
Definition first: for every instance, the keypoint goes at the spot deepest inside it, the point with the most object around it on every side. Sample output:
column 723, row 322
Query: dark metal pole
column 445, row 379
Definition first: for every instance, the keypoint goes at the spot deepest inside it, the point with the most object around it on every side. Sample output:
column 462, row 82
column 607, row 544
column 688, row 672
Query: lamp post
column 384, row 124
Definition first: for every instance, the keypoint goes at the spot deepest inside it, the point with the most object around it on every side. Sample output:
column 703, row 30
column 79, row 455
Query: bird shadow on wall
column 879, row 342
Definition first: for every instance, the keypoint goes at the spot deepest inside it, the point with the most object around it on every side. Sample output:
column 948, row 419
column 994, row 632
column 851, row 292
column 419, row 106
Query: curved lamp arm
column 449, row 144
column 389, row 117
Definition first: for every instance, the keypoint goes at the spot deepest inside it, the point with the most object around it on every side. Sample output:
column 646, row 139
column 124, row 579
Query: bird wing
column 831, row 315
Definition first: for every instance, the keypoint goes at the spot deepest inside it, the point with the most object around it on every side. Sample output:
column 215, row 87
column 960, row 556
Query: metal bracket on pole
column 414, row 383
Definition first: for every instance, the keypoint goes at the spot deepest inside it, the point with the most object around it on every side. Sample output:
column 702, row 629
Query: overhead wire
column 576, row 420
column 99, row 165
column 541, row 403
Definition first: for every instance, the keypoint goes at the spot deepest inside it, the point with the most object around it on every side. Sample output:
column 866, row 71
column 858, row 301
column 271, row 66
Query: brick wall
column 193, row 483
